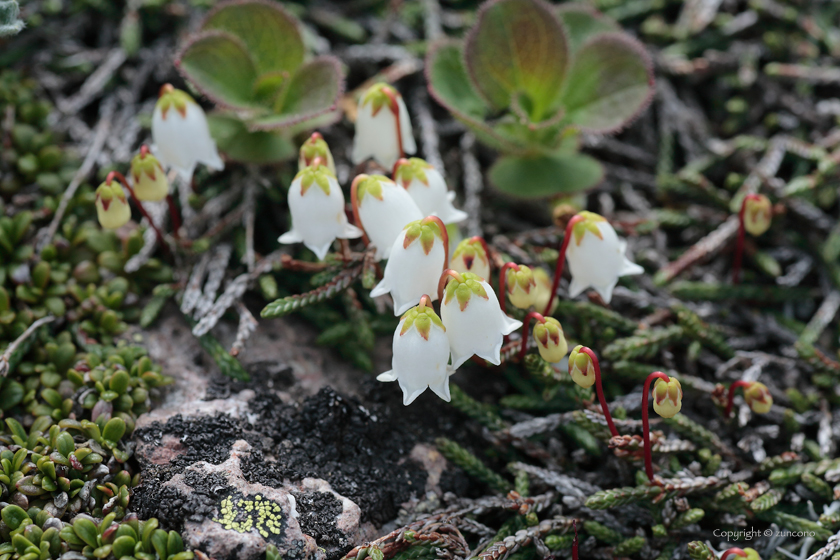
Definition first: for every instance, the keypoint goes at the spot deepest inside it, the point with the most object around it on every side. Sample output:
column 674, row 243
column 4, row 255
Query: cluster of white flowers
column 405, row 219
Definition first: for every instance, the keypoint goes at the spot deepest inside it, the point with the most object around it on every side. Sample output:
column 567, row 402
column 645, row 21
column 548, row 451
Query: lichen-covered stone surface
column 352, row 463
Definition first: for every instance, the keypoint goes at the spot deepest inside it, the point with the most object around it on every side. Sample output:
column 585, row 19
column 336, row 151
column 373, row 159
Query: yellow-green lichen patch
column 245, row 514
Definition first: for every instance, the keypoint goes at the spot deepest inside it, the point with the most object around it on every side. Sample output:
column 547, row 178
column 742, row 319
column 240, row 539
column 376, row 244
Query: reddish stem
column 730, row 399
column 739, row 244
column 174, row 215
column 734, row 550
column 444, row 237
column 121, row 178
column 599, row 389
column 394, row 106
column 425, row 301
column 399, row 163
column 645, row 423
column 561, row 261
column 356, row 218
column 524, row 348
column 442, row 282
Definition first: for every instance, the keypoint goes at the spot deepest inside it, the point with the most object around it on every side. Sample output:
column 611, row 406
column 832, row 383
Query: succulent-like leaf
column 518, row 47
column 450, row 85
column 545, row 175
column 314, row 90
column 270, row 34
column 582, row 22
column 219, row 65
column 609, row 83
column 239, row 144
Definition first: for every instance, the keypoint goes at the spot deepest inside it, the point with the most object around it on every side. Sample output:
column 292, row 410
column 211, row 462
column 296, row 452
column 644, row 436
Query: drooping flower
column 383, row 210
column 383, row 128
column 758, row 397
column 521, row 288
column 581, row 368
column 471, row 256
column 428, row 188
column 112, row 208
column 150, row 182
column 181, row 135
column 420, row 354
column 551, row 342
column 474, row 320
column 667, row 397
column 315, row 147
column 417, row 259
column 317, row 207
column 597, row 256
column 757, row 214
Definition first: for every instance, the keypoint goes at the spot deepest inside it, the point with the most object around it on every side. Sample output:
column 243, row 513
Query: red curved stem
column 739, row 244
column 394, row 106
column 561, row 261
column 144, row 151
column 442, row 282
column 734, row 550
column 600, row 390
column 174, row 215
column 425, row 301
column 121, row 178
column 645, row 424
column 730, row 399
column 524, row 349
column 444, row 236
column 354, row 201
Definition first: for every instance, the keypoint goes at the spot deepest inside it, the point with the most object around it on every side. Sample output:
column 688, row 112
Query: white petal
column 576, row 287
column 417, row 362
column 509, row 324
column 317, row 217
column 606, row 290
column 350, row 232
column 376, row 136
column 290, row 237
column 409, row 146
column 384, row 219
column 180, row 142
column 476, row 330
column 411, row 273
column 630, row 268
column 441, row 388
column 433, row 198
column 387, row 376
column 381, row 289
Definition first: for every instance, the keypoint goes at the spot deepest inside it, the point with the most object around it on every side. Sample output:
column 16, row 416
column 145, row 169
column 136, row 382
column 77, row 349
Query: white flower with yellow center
column 421, row 354
column 317, row 207
column 181, row 135
column 418, row 257
column 382, row 209
column 428, row 188
column 474, row 320
column 383, row 128
column 597, row 256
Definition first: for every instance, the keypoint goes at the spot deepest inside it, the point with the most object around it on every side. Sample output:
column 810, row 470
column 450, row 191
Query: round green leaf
column 545, row 175
column 582, row 22
column 239, row 144
column 219, row 65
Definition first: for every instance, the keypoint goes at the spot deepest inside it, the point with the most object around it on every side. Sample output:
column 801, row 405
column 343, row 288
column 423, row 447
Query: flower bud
column 543, row 281
column 597, row 256
column 181, row 135
column 150, row 182
column 581, row 368
column 111, row 205
column 317, row 207
column 471, row 256
column 667, row 397
column 420, row 355
column 314, row 147
column 474, row 320
column 758, row 397
column 551, row 342
column 757, row 214
column 415, row 264
column 383, row 128
column 521, row 286
column 752, row 554
column 384, row 210
column 428, row 188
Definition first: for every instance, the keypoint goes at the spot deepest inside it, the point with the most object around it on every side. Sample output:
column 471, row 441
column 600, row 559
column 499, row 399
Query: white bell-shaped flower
column 597, row 256
column 383, row 128
column 382, row 209
column 317, row 207
column 471, row 255
column 428, row 188
column 474, row 320
column 418, row 257
column 181, row 135
column 421, row 354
